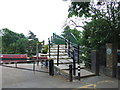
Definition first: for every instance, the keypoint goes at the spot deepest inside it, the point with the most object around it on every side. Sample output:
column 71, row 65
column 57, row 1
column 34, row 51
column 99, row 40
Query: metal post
column 49, row 45
column 74, row 65
column 70, row 73
column 65, row 45
column 69, row 48
column 78, row 54
column 37, row 54
column 58, row 56
column 78, row 63
column 16, row 64
column 51, row 68
column 79, row 72
column 33, row 65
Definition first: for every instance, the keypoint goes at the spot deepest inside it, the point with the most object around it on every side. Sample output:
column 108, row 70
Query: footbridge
column 70, row 59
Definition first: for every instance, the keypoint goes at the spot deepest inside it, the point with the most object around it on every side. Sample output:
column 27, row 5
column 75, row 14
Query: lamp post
column 37, row 54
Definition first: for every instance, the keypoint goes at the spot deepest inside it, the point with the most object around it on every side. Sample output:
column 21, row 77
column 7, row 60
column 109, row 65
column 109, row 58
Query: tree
column 13, row 43
column 32, row 44
column 100, row 12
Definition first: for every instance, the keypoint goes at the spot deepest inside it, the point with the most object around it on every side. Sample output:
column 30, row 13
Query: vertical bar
column 70, row 73
column 51, row 68
column 78, row 54
column 74, row 65
column 49, row 45
column 58, row 56
column 65, row 45
column 37, row 54
column 16, row 64
column 79, row 72
column 69, row 48
column 78, row 63
column 33, row 65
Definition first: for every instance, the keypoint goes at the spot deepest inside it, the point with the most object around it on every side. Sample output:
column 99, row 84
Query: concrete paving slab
column 83, row 73
column 65, row 66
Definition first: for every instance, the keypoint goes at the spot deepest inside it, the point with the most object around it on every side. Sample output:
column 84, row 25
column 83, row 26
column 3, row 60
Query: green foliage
column 104, row 26
column 79, row 9
column 14, row 43
column 45, row 50
column 72, row 34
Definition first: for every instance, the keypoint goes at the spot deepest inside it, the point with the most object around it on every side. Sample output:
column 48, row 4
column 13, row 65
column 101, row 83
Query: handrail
column 65, row 39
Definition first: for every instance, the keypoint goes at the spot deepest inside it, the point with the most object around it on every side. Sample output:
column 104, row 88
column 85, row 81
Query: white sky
column 42, row 17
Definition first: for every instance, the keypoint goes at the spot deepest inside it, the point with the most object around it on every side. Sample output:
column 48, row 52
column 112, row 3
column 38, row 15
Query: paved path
column 18, row 78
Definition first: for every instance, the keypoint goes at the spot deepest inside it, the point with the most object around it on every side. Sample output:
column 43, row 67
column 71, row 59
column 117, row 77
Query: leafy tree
column 14, row 43
column 33, row 41
column 105, row 17
column 104, row 26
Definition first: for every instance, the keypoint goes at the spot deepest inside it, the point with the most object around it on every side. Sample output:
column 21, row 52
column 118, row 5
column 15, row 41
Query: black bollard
column 58, row 55
column 51, row 68
column 79, row 72
column 70, row 73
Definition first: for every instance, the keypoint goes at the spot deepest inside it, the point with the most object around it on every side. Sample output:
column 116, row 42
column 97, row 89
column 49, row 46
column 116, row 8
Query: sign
column 109, row 51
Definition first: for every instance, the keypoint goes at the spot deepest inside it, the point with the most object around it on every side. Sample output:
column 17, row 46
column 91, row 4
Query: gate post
column 95, row 62
column 111, row 60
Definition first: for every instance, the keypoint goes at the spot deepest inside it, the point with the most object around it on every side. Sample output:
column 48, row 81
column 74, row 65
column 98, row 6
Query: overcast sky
column 43, row 17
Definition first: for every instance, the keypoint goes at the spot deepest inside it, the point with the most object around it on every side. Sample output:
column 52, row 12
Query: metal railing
column 73, row 50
